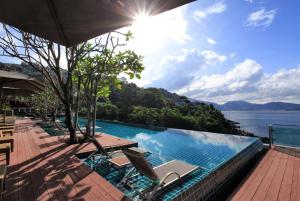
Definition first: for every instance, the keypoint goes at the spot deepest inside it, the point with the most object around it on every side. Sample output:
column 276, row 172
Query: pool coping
column 293, row 151
column 211, row 184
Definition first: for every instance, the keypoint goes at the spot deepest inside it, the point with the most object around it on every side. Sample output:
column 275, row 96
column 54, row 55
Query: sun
column 146, row 32
column 141, row 19
column 152, row 32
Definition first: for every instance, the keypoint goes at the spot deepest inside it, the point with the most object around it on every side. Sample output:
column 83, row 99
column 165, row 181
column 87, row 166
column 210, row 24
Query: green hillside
column 151, row 106
column 158, row 107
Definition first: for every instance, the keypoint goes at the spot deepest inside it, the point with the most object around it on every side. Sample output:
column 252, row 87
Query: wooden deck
column 107, row 141
column 44, row 168
column 276, row 178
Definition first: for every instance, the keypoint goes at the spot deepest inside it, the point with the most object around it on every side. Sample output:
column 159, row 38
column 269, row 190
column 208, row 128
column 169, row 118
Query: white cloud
column 232, row 55
column 176, row 72
column 250, row 1
column 216, row 8
column 237, row 80
column 211, row 41
column 211, row 57
column 246, row 81
column 233, row 141
column 282, row 85
column 261, row 17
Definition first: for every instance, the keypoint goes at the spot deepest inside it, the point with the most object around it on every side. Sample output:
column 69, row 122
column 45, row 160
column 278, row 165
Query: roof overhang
column 69, row 22
column 18, row 82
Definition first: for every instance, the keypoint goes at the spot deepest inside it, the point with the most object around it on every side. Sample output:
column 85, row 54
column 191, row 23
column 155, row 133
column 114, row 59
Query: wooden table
column 4, row 131
column 8, row 139
column 5, row 148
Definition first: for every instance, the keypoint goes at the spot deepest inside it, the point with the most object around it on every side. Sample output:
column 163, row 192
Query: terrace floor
column 276, row 177
column 44, row 168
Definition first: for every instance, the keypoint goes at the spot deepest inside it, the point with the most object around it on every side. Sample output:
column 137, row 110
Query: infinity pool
column 207, row 150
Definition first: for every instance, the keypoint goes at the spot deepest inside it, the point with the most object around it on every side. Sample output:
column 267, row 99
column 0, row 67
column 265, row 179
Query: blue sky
column 222, row 50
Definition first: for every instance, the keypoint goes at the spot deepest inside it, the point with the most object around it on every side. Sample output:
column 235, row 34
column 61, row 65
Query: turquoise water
column 286, row 135
column 257, row 122
column 207, row 150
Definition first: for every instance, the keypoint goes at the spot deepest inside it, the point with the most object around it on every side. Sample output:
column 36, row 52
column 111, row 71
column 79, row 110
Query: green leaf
column 138, row 76
column 131, row 75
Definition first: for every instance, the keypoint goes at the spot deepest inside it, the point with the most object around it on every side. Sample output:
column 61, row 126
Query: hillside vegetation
column 151, row 106
column 158, row 107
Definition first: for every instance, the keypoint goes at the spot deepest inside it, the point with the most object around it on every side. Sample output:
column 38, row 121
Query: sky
column 222, row 50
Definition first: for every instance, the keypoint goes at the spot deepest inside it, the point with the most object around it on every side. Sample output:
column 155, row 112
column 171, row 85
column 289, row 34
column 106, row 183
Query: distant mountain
column 244, row 105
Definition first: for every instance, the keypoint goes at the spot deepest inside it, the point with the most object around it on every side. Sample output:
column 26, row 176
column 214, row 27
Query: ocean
column 257, row 122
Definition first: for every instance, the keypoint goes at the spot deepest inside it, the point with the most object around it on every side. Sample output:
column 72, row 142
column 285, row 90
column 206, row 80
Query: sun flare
column 152, row 32
column 146, row 32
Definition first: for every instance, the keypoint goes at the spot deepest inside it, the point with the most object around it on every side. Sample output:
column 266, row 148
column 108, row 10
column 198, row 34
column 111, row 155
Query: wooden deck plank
column 82, row 178
column 44, row 168
column 24, row 183
column 61, row 165
column 251, row 185
column 11, row 190
column 276, row 178
column 263, row 185
column 276, row 182
column 286, row 186
column 104, row 193
column 25, row 189
column 40, row 190
column 295, row 194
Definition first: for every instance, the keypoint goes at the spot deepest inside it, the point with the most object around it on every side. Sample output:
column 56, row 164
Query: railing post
column 270, row 136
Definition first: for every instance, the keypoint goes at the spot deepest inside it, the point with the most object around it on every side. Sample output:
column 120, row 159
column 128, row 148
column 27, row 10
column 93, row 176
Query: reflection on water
column 207, row 150
column 234, row 142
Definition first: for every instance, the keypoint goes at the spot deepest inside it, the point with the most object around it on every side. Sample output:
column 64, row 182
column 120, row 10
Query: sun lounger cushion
column 158, row 173
column 180, row 167
column 120, row 162
column 140, row 163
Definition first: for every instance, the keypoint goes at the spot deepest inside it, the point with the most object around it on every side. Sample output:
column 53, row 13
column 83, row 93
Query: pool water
column 207, row 150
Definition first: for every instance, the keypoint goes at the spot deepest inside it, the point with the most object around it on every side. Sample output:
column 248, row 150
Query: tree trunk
column 43, row 116
column 69, row 123
column 77, row 103
column 53, row 116
column 95, row 107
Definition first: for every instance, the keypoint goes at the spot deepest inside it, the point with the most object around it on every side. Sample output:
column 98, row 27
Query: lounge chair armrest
column 168, row 175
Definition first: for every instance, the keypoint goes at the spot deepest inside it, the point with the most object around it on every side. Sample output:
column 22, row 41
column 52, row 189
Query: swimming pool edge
column 208, row 187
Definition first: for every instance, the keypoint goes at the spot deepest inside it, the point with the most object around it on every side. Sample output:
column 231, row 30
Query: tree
column 56, row 63
column 152, row 98
column 144, row 115
column 97, row 72
column 125, row 98
column 44, row 102
column 107, row 111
